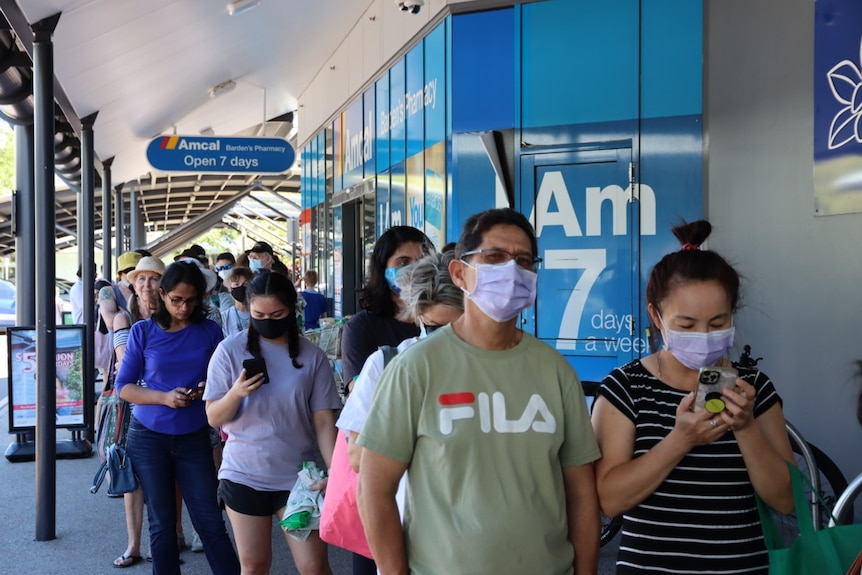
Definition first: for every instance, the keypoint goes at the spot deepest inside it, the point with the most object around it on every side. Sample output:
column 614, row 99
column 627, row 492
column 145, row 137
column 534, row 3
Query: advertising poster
column 69, row 385
column 435, row 192
column 415, row 191
column 837, row 110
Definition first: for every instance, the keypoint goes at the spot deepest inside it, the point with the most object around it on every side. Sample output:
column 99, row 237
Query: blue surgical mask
column 255, row 265
column 391, row 274
column 429, row 329
column 697, row 349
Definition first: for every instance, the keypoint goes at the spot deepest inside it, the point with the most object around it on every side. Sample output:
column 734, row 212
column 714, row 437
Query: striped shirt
column 703, row 517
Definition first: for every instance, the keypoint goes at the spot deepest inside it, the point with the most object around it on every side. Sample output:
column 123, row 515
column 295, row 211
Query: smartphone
column 255, row 366
column 710, row 382
column 196, row 392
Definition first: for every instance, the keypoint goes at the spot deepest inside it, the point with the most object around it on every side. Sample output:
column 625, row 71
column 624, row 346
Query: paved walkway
column 90, row 529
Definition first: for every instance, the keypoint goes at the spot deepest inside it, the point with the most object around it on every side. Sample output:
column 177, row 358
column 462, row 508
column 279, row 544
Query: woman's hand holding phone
column 697, row 427
column 739, row 410
column 196, row 392
column 252, row 376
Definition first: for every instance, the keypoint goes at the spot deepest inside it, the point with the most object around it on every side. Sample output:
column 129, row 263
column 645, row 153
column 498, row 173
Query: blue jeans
column 160, row 460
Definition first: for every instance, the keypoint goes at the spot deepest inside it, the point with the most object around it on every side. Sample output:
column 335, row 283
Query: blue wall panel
column 580, row 62
column 354, row 157
column 397, row 113
column 671, row 58
column 381, row 139
column 414, row 100
column 483, row 71
column 435, row 85
column 369, row 143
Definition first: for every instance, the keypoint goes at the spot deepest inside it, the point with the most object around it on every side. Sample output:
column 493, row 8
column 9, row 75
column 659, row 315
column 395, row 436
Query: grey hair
column 426, row 283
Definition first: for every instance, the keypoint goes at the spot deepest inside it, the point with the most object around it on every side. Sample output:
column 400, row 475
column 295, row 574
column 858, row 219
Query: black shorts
column 249, row 501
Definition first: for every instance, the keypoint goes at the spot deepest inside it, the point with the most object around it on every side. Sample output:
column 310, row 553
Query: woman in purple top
column 273, row 424
column 162, row 374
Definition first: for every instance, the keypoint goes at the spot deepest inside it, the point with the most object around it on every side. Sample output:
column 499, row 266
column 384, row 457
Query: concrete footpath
column 90, row 528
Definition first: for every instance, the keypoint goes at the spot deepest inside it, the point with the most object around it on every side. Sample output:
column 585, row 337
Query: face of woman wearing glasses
column 180, row 301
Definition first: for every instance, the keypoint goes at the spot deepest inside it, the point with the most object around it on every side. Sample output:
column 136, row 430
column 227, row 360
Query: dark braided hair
column 279, row 286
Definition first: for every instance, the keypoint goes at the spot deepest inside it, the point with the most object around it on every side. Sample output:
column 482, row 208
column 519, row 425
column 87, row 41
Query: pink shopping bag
column 339, row 521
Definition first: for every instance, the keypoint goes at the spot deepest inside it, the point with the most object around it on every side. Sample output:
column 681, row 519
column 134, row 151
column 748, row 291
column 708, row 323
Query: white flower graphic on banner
column 845, row 81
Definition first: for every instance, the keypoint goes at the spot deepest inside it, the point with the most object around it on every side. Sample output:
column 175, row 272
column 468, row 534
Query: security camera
column 411, row 6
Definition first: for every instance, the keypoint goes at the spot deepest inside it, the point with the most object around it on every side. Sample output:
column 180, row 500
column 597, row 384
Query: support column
column 107, row 213
column 87, row 257
column 135, row 238
column 45, row 255
column 120, row 220
column 25, row 226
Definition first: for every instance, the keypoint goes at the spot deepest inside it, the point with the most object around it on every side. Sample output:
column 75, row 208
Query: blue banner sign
column 217, row 154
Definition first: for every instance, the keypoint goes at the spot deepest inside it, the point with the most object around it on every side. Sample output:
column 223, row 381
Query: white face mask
column 502, row 291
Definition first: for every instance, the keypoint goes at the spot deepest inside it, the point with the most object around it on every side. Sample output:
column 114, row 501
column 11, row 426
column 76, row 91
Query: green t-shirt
column 486, row 435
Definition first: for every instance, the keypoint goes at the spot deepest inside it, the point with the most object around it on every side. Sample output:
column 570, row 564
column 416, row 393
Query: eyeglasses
column 496, row 256
column 183, row 302
column 224, row 267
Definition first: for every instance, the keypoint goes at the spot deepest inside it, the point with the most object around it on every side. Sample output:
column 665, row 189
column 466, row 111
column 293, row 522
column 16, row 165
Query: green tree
column 7, row 159
column 219, row 240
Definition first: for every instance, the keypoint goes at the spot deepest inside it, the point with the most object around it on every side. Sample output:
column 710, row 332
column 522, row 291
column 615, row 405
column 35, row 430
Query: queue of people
column 501, row 467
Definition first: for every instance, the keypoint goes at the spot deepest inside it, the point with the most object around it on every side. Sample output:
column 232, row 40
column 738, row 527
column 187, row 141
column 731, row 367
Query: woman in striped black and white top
column 685, row 479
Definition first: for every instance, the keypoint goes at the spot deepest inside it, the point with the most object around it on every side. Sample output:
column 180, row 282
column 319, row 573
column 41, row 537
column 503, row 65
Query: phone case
column 710, row 382
column 254, row 366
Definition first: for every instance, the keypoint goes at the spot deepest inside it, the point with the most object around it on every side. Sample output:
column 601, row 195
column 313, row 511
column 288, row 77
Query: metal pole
column 25, row 226
column 107, row 212
column 46, row 332
column 134, row 219
column 121, row 224
column 87, row 257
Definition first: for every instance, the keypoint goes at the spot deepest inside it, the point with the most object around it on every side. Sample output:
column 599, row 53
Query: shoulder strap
column 118, row 294
column 388, row 353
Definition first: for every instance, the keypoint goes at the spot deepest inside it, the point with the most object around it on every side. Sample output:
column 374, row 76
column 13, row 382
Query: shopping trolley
column 328, row 338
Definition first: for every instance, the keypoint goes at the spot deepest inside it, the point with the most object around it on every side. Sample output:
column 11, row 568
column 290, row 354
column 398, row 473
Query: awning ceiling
column 146, row 69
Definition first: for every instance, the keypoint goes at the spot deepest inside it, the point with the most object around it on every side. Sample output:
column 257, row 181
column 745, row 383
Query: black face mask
column 238, row 293
column 271, row 328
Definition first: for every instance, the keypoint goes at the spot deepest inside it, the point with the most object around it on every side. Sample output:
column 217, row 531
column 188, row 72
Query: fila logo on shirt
column 493, row 413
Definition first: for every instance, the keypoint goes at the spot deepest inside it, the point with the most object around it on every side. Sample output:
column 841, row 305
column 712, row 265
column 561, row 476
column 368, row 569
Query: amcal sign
column 220, row 154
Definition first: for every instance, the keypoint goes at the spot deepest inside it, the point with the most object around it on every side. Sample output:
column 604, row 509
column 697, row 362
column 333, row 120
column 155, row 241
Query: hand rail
column 813, row 473
column 846, row 499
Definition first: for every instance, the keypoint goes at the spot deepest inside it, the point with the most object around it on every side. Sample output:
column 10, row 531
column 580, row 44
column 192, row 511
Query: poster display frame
column 21, row 340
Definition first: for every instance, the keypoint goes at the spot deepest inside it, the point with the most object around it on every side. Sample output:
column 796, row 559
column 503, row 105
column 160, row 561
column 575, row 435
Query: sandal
column 124, row 561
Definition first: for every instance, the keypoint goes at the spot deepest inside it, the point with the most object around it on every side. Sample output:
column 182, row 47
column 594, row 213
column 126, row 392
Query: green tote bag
column 829, row 551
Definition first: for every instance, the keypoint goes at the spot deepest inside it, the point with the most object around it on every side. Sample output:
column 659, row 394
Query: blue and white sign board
column 221, row 154
column 837, row 110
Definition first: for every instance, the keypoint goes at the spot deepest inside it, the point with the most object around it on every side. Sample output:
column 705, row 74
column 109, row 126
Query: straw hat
column 147, row 264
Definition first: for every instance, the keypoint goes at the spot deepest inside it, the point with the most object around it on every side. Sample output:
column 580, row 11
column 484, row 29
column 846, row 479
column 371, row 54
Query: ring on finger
column 714, row 423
